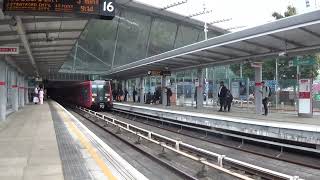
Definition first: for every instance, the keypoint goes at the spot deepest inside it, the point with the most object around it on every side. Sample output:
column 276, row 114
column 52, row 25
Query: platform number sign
column 108, row 8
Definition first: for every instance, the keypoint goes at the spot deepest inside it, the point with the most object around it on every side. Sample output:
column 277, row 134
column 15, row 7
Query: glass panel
column 162, row 36
column 186, row 35
column 132, row 38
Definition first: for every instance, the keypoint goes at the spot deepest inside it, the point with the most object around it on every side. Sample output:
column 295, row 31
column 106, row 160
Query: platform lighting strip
column 174, row 4
column 133, row 129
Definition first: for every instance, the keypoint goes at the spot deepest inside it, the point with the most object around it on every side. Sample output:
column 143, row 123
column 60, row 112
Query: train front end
column 101, row 95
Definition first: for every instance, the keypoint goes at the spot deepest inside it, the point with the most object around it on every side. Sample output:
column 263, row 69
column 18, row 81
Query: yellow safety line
column 85, row 143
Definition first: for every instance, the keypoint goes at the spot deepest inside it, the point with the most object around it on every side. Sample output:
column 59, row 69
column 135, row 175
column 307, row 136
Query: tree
column 285, row 72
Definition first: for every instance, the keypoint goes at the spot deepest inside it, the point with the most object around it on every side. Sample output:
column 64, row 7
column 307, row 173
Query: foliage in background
column 285, row 72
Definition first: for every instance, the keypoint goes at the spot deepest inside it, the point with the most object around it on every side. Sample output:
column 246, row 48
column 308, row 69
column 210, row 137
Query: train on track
column 95, row 95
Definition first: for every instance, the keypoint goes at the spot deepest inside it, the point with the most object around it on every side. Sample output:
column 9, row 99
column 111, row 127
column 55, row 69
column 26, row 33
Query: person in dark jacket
column 148, row 98
column 134, row 93
column 119, row 94
column 222, row 95
column 228, row 101
column 125, row 95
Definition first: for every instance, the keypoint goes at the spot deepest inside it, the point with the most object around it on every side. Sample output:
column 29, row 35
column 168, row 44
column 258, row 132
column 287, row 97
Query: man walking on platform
column 222, row 95
column 169, row 94
column 134, row 93
column 265, row 95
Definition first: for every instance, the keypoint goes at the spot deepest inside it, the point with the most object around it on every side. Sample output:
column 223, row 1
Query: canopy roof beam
column 310, row 32
column 297, row 44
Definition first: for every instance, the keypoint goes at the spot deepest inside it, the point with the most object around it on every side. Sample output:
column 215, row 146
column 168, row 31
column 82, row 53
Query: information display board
column 305, row 98
column 104, row 9
column 240, row 88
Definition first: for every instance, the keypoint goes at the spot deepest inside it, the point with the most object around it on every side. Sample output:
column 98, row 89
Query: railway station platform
column 286, row 125
column 47, row 142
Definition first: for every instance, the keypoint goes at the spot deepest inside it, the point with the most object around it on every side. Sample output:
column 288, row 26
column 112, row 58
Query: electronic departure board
column 104, row 9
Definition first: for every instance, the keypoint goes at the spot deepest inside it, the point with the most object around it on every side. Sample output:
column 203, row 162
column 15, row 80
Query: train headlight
column 108, row 99
column 92, row 99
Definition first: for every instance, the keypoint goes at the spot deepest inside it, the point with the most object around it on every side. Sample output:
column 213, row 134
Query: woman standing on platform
column 41, row 95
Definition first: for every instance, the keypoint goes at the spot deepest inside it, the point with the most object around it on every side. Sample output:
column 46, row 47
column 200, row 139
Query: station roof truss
column 52, row 39
column 294, row 35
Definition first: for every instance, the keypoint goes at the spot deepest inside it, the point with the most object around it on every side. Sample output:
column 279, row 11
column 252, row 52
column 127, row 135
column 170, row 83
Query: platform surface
column 45, row 142
column 289, row 120
column 28, row 146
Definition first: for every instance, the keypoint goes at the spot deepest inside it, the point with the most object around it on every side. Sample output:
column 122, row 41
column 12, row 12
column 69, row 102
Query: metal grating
column 73, row 163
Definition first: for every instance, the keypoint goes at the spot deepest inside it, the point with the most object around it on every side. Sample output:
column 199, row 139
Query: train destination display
column 104, row 9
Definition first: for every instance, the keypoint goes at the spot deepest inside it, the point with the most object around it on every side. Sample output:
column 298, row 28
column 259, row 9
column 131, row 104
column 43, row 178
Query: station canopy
column 295, row 35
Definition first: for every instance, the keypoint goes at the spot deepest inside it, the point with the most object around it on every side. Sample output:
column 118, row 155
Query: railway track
column 289, row 151
column 208, row 160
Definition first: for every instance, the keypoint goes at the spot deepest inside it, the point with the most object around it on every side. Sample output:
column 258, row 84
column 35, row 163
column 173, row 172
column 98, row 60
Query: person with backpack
column 222, row 95
column 228, row 101
column 266, row 93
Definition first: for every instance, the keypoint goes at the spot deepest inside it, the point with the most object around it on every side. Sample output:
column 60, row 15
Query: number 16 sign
column 107, row 9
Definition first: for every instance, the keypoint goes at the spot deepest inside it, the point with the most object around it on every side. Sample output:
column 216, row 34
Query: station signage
column 9, row 50
column 159, row 73
column 104, row 9
column 307, row 61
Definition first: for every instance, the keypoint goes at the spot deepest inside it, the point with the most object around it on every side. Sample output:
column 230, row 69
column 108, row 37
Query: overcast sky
column 243, row 12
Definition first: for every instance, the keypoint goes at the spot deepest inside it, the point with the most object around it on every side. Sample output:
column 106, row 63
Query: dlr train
column 89, row 94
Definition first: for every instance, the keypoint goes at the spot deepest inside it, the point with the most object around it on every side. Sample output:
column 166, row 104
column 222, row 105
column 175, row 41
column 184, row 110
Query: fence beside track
column 184, row 149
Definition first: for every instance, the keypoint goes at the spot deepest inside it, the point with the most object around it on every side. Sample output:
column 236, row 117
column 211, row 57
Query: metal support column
column 257, row 93
column 21, row 90
column 163, row 90
column 176, row 35
column 149, row 34
column 277, row 82
column 75, row 57
column 241, row 69
column 141, row 90
column 15, row 96
column 26, row 92
column 116, row 42
column 3, row 89
column 199, row 99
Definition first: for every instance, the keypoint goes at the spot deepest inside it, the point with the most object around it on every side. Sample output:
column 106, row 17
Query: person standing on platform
column 222, row 95
column 229, row 99
column 265, row 91
column 120, row 94
column 114, row 94
column 36, row 95
column 134, row 93
column 125, row 95
column 41, row 95
column 169, row 94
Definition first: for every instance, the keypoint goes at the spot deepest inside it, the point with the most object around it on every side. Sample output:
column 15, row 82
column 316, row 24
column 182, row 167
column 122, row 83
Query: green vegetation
column 285, row 72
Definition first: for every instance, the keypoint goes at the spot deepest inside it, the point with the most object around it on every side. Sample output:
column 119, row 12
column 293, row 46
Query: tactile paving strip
column 73, row 163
